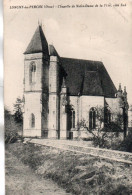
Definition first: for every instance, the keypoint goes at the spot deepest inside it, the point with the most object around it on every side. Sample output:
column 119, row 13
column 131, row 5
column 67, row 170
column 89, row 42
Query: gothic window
column 70, row 118
column 107, row 116
column 32, row 120
column 32, row 72
column 73, row 119
column 92, row 118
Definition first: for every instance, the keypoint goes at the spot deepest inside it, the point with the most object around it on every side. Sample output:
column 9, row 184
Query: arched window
column 92, row 118
column 32, row 120
column 70, row 118
column 32, row 72
column 107, row 116
column 73, row 119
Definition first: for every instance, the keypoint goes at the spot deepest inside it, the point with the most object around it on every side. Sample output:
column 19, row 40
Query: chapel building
column 60, row 92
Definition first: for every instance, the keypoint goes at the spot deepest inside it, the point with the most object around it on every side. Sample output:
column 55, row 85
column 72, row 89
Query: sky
column 102, row 34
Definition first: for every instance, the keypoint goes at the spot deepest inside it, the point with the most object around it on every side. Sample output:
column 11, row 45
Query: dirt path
column 20, row 180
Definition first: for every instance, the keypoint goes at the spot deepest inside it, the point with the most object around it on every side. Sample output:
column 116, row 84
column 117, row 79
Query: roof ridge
column 82, row 59
column 42, row 35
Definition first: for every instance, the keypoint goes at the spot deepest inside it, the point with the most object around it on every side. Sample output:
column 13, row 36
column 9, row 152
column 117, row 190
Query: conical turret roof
column 38, row 42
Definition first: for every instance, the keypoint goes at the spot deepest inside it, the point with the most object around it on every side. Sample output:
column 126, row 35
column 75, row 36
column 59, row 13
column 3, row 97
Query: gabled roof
column 87, row 77
column 38, row 43
column 52, row 51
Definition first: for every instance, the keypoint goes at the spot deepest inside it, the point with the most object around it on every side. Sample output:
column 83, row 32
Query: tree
column 124, row 105
column 104, row 131
column 18, row 106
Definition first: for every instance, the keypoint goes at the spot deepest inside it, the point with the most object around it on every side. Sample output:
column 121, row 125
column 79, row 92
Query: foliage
column 112, row 127
column 100, row 116
column 18, row 110
column 12, row 128
column 7, row 113
column 104, row 132
column 11, row 137
column 118, row 120
column 126, row 144
column 79, row 174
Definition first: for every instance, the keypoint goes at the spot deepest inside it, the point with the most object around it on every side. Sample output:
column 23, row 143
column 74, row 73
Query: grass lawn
column 21, row 180
column 77, row 173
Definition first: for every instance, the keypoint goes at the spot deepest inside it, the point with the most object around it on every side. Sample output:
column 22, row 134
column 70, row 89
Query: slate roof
column 92, row 84
column 87, row 77
column 83, row 77
column 52, row 51
column 38, row 43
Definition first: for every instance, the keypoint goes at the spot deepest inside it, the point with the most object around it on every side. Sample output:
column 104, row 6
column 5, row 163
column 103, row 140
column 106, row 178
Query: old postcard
column 68, row 97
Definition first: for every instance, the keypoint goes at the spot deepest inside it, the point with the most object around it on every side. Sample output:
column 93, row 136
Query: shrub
column 126, row 145
column 112, row 127
column 12, row 137
column 100, row 141
column 12, row 128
